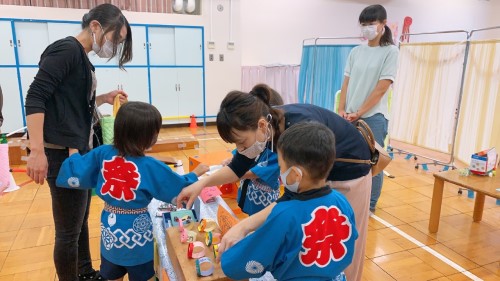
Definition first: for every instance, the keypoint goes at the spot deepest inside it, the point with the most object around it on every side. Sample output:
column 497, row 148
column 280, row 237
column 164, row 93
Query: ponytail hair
column 377, row 13
column 242, row 111
column 386, row 39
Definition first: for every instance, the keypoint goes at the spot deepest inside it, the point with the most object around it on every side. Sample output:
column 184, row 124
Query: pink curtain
column 149, row 6
column 283, row 78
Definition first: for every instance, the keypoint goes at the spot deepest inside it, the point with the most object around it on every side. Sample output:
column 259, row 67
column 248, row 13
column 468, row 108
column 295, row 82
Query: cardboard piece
column 225, row 220
column 209, row 193
column 174, row 144
column 17, row 151
column 165, row 159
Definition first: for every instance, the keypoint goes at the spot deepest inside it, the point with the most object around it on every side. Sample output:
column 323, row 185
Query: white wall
column 272, row 31
column 221, row 77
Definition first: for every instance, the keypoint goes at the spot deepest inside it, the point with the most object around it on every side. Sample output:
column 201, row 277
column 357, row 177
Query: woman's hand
column 201, row 169
column 233, row 236
column 37, row 166
column 189, row 194
column 352, row 117
column 110, row 97
column 343, row 114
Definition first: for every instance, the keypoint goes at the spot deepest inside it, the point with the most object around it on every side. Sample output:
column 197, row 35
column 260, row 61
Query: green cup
column 107, row 125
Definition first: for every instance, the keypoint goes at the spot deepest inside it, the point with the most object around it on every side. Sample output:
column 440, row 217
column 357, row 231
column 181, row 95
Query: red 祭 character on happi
column 121, row 178
column 324, row 237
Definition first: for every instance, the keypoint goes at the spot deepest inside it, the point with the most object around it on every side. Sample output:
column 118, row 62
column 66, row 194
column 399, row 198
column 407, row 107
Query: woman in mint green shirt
column 369, row 72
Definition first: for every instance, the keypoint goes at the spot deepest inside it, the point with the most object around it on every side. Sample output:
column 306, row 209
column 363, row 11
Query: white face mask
column 255, row 149
column 292, row 187
column 106, row 50
column 370, row 31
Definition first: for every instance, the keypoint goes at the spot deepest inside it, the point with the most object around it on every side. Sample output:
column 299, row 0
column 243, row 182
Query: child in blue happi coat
column 127, row 181
column 310, row 233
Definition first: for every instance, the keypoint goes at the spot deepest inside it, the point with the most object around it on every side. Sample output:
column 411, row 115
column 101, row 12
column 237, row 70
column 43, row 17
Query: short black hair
column 310, row 145
column 137, row 126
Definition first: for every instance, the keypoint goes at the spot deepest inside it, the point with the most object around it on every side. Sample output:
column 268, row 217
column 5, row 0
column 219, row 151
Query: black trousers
column 70, row 209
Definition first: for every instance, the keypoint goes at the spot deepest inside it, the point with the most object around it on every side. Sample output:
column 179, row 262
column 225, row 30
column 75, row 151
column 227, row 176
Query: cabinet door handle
column 144, row 46
column 10, row 42
column 150, row 45
column 19, row 43
column 179, row 87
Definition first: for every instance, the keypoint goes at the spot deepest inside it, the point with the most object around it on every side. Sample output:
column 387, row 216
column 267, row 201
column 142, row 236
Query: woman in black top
column 60, row 109
column 247, row 120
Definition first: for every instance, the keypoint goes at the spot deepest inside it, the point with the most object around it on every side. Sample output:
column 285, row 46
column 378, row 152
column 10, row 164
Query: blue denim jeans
column 378, row 124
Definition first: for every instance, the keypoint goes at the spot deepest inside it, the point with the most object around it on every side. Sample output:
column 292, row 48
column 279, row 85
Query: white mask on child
column 291, row 187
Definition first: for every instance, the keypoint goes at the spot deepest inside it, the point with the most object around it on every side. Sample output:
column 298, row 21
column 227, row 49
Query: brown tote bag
column 380, row 158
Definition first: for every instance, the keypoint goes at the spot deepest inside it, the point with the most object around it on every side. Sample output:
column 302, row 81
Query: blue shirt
column 127, row 183
column 316, row 243
column 264, row 190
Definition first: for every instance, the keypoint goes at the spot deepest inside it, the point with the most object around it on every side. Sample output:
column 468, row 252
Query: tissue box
column 483, row 162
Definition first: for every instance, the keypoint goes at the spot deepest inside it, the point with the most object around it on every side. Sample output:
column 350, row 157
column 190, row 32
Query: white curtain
column 282, row 78
column 426, row 93
column 479, row 122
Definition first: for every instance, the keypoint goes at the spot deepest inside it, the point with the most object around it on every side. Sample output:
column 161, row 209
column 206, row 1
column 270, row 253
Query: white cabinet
column 181, row 46
column 32, row 39
column 190, row 91
column 12, row 109
column 27, row 77
column 134, row 81
column 58, row 31
column 161, row 46
column 139, row 46
column 7, row 55
column 188, row 49
column 164, row 91
column 177, row 91
column 166, row 68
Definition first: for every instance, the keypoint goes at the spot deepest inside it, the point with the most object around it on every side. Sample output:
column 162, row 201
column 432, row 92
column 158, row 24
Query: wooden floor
column 27, row 227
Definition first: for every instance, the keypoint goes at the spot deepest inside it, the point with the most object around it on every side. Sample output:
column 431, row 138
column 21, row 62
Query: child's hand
column 201, row 169
column 233, row 236
column 226, row 161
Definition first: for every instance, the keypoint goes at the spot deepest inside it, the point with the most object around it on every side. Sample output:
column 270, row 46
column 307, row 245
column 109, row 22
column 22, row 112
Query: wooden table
column 483, row 185
column 185, row 268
